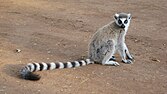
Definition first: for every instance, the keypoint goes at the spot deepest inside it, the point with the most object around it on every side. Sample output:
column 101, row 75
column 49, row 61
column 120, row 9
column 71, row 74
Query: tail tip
column 25, row 74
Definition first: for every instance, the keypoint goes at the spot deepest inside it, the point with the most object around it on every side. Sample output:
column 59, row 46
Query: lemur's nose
column 122, row 26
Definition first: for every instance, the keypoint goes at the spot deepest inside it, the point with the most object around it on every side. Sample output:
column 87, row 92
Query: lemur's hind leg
column 109, row 54
column 124, row 52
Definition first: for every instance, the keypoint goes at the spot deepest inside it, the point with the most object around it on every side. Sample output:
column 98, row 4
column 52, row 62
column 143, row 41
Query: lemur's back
column 100, row 42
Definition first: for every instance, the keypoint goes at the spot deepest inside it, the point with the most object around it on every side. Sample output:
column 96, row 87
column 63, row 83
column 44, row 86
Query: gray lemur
column 104, row 44
column 110, row 38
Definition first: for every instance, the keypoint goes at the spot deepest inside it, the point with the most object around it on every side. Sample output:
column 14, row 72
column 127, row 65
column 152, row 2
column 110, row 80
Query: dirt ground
column 60, row 30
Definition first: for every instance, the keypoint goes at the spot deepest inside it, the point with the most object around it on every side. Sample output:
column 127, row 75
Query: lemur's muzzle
column 122, row 26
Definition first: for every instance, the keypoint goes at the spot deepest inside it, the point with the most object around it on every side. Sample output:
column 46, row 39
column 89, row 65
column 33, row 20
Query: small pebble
column 49, row 52
column 35, row 44
column 157, row 60
column 136, row 40
column 78, row 20
column 18, row 50
column 61, row 90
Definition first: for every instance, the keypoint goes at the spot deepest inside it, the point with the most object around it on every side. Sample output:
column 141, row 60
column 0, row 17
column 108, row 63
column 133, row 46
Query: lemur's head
column 122, row 19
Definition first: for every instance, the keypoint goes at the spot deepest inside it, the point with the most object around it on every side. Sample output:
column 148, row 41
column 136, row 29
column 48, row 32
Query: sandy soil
column 60, row 30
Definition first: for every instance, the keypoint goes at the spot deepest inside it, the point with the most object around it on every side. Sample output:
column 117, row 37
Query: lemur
column 104, row 44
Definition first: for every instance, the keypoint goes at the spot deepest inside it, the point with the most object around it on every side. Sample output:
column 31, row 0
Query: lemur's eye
column 126, row 21
column 119, row 21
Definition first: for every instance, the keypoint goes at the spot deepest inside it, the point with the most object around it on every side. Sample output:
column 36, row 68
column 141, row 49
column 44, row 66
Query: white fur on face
column 123, row 22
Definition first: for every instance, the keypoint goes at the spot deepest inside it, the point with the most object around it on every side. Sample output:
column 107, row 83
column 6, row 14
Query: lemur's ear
column 116, row 16
column 129, row 16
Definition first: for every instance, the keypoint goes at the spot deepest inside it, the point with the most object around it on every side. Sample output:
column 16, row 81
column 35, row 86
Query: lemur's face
column 122, row 19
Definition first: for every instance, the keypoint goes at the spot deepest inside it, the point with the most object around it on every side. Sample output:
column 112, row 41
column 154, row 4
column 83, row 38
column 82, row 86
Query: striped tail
column 27, row 71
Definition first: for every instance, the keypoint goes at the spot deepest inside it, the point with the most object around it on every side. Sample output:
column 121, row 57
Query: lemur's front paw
column 128, row 61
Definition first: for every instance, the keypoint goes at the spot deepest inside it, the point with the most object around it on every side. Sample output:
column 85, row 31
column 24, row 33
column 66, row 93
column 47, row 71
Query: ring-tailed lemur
column 104, row 44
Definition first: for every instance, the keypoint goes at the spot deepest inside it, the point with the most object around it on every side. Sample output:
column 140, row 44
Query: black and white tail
column 27, row 71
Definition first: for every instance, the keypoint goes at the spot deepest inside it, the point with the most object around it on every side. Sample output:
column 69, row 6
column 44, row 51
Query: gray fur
column 108, row 40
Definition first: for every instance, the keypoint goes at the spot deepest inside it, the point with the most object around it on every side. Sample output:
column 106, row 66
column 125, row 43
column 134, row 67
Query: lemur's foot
column 112, row 63
column 128, row 61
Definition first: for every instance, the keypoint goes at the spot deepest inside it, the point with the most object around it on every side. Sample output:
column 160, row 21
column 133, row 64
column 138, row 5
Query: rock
column 155, row 59
column 35, row 44
column 49, row 52
column 18, row 50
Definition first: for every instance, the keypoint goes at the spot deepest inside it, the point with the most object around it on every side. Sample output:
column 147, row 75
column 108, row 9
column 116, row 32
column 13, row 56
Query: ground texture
column 60, row 30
